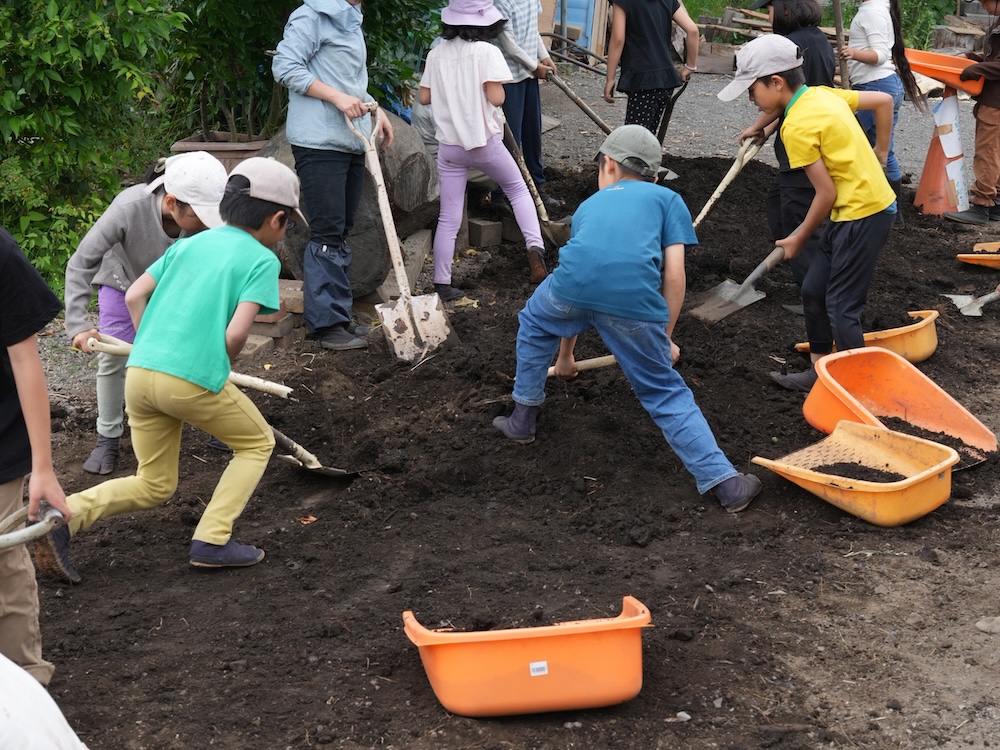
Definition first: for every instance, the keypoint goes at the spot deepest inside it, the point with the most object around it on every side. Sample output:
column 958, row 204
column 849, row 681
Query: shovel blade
column 414, row 326
column 966, row 304
column 725, row 299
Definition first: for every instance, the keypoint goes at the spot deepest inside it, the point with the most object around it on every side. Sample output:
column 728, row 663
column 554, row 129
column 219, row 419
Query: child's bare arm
column 674, row 289
column 239, row 327
column 495, row 93
column 29, row 378
column 881, row 105
column 565, row 363
column 819, row 209
column 424, row 95
column 137, row 297
column 761, row 129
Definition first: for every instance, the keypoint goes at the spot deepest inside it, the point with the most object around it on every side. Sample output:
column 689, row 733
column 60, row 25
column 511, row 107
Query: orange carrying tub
column 560, row 667
column 944, row 68
column 915, row 342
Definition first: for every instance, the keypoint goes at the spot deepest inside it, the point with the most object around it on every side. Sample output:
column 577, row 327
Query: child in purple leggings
column 466, row 75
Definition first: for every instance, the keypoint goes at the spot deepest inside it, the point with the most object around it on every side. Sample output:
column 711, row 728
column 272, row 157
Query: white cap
column 272, row 181
column 198, row 179
column 764, row 56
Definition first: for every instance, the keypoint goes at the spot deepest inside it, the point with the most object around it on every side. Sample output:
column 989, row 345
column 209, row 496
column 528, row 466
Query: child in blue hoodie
column 322, row 61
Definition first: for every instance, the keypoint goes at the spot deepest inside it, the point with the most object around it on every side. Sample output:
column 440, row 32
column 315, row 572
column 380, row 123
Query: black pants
column 835, row 287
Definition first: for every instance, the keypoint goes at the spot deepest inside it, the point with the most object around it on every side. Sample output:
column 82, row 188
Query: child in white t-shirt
column 465, row 74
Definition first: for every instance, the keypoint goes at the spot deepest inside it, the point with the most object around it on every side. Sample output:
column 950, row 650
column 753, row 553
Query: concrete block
column 485, row 233
column 415, row 248
column 290, row 292
column 278, row 329
column 273, row 317
column 256, row 345
column 290, row 339
column 510, row 231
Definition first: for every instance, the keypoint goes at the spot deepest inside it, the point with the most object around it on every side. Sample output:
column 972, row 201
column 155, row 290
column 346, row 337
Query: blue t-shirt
column 199, row 283
column 613, row 262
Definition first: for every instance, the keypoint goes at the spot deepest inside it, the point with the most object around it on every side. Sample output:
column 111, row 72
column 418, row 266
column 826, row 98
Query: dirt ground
column 792, row 625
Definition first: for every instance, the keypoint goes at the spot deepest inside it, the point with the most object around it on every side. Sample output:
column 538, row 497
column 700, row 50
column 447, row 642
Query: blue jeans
column 643, row 352
column 892, row 85
column 332, row 182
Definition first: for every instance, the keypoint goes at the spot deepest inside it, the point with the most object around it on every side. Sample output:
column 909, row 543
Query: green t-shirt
column 199, row 283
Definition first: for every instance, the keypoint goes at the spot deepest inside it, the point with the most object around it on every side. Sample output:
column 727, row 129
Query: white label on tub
column 538, row 668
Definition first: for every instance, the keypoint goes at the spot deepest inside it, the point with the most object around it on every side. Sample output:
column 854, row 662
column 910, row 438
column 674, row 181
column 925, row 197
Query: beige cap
column 270, row 180
column 761, row 57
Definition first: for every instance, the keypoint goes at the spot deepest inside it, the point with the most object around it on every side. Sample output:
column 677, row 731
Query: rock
column 989, row 625
column 412, row 184
column 915, row 620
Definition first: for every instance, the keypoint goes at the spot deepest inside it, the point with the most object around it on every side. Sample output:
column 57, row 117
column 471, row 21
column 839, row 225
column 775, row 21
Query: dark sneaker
column 359, row 330
column 448, row 293
column 52, row 556
column 232, row 554
column 978, row 215
column 103, row 458
column 994, row 213
column 341, row 339
column 498, row 201
column 536, row 262
column 520, row 425
column 217, row 445
column 550, row 203
column 736, row 493
column 796, row 381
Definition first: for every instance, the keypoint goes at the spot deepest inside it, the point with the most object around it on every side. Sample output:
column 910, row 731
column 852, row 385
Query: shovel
column 299, row 455
column 555, row 233
column 413, row 326
column 587, row 109
column 49, row 519
column 747, row 152
column 588, row 364
column 972, row 306
column 729, row 297
column 661, row 132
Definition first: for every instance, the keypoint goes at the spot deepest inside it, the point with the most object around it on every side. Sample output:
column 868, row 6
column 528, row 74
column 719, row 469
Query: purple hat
column 471, row 13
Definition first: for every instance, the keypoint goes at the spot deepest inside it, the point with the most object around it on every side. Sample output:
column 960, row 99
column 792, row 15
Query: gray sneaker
column 736, row 493
column 103, row 458
column 796, row 381
column 341, row 339
column 232, row 554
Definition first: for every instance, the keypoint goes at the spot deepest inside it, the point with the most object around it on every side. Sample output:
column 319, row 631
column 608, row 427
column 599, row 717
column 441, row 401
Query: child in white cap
column 180, row 198
column 192, row 310
column 464, row 77
column 622, row 274
column 822, row 135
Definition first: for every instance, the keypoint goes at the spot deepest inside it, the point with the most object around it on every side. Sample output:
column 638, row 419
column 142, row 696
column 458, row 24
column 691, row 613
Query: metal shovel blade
column 972, row 306
column 729, row 297
column 414, row 326
column 299, row 456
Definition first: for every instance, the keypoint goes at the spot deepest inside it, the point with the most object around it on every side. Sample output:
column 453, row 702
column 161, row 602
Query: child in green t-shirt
column 192, row 311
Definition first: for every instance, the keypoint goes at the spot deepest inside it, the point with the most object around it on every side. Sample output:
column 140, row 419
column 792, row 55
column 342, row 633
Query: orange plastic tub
column 944, row 68
column 915, row 342
column 861, row 385
column 926, row 466
column 990, row 260
column 561, row 667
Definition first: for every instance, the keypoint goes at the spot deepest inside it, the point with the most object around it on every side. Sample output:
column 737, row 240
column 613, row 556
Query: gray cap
column 761, row 57
column 634, row 147
column 270, row 180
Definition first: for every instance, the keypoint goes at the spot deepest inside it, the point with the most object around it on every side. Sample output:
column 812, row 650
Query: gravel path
column 704, row 126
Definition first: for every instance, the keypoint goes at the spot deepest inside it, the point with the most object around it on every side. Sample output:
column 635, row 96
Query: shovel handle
column 111, row 345
column 589, row 364
column 768, row 264
column 987, row 298
column 747, row 152
column 511, row 143
column 587, row 110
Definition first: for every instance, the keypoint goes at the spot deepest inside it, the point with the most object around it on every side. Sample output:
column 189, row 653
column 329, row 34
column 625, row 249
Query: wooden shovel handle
column 747, row 152
column 589, row 364
column 111, row 345
column 768, row 264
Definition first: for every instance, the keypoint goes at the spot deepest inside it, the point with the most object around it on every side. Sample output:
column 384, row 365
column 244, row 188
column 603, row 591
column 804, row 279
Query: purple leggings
column 454, row 163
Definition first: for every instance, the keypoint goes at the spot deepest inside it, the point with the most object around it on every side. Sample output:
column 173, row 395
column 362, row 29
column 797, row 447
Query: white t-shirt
column 872, row 29
column 456, row 73
column 29, row 718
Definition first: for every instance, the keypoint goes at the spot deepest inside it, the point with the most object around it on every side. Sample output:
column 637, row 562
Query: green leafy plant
column 395, row 50
column 77, row 76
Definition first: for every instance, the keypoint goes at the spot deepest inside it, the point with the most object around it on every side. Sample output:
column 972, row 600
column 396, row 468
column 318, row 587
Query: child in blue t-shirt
column 192, row 311
column 622, row 274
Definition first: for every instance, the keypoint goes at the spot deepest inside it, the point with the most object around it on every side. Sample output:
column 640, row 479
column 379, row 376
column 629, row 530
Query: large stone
column 412, row 184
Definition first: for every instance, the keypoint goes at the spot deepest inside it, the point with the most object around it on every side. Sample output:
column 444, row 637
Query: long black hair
column 899, row 58
column 473, row 33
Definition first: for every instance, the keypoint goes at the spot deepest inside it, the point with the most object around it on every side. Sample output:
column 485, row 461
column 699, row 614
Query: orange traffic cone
column 937, row 192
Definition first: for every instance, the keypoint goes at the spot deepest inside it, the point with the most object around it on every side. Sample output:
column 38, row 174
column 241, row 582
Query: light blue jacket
column 323, row 41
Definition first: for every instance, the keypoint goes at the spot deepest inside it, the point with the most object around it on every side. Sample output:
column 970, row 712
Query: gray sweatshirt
column 117, row 250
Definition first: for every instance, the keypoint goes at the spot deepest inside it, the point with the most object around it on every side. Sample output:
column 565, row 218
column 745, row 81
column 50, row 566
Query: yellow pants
column 158, row 405
column 20, row 636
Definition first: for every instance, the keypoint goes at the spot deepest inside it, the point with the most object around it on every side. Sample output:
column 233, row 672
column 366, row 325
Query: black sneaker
column 232, row 554
column 978, row 215
column 341, row 339
column 217, row 445
column 736, row 493
column 358, row 329
column 994, row 212
column 796, row 381
column 52, row 556
column 550, row 203
column 448, row 293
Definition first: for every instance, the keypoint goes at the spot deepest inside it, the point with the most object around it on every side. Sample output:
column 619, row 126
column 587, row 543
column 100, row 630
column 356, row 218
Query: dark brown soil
column 791, row 625
column 859, row 472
